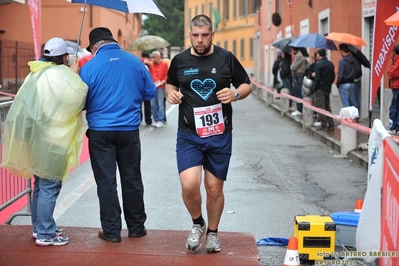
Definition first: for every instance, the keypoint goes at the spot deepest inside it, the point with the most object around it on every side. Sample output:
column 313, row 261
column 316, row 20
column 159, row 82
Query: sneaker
column 391, row 132
column 317, row 124
column 58, row 232
column 296, row 113
column 194, row 239
column 212, row 243
column 56, row 241
column 154, row 124
column 159, row 124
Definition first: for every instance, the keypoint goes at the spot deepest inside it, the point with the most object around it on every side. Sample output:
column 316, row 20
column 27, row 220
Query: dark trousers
column 109, row 149
column 394, row 110
column 147, row 112
column 322, row 101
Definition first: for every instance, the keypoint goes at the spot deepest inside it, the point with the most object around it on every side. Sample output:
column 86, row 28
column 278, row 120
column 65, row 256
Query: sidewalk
column 332, row 138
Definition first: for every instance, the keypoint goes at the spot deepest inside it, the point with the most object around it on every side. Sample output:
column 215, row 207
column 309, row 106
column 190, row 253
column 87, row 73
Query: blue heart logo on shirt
column 203, row 89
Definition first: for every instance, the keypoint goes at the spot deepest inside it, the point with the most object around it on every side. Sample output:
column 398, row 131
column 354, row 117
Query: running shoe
column 212, row 243
column 194, row 239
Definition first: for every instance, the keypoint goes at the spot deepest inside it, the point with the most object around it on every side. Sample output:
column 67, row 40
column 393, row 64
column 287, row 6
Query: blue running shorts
column 213, row 152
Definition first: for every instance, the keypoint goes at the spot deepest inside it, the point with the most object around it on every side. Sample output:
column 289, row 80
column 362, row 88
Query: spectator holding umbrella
column 346, row 74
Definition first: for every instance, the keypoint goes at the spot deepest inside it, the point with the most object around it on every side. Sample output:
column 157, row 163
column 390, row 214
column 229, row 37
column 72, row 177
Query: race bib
column 209, row 120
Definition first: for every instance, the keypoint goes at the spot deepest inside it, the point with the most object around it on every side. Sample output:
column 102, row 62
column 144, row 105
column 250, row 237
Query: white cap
column 57, row 46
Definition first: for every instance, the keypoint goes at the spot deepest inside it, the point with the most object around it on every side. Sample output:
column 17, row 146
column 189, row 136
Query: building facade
column 59, row 18
column 291, row 18
column 233, row 23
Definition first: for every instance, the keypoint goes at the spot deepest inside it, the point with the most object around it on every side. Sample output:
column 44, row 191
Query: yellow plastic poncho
column 44, row 128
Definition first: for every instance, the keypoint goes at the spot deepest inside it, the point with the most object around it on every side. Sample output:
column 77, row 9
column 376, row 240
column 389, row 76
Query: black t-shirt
column 200, row 77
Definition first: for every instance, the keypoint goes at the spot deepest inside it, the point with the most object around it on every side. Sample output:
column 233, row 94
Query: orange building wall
column 62, row 19
column 345, row 16
column 229, row 30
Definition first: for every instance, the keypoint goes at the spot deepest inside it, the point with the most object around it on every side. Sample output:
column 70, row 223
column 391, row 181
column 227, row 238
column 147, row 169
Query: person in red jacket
column 393, row 73
column 158, row 70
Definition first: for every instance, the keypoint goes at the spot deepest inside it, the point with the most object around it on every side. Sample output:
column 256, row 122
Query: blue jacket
column 346, row 70
column 118, row 83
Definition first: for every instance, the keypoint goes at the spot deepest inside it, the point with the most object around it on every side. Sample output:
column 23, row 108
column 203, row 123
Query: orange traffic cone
column 359, row 205
column 292, row 255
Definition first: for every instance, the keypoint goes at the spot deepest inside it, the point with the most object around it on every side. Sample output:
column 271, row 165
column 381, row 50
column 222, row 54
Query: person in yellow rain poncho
column 43, row 134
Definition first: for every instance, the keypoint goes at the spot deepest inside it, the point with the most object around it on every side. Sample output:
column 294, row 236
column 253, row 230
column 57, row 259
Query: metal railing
column 14, row 58
column 12, row 188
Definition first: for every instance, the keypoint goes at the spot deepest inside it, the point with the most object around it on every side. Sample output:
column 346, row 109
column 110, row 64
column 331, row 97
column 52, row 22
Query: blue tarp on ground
column 272, row 241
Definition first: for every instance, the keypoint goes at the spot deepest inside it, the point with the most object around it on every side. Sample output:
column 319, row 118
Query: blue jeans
column 394, row 110
column 345, row 92
column 355, row 94
column 45, row 194
column 298, row 92
column 158, row 106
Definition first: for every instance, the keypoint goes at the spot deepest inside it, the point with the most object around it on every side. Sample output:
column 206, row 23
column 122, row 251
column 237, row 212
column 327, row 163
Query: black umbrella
column 282, row 44
column 359, row 56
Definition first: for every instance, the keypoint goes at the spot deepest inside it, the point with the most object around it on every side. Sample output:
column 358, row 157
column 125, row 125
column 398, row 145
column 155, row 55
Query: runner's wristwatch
column 237, row 96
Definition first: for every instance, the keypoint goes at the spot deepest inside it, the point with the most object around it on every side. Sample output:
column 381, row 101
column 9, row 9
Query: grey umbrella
column 149, row 42
column 282, row 44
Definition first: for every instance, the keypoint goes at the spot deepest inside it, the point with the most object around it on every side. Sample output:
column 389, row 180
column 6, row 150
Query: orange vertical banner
column 35, row 18
column 383, row 42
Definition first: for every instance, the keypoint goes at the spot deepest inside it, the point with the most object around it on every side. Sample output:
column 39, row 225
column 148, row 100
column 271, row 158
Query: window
column 278, row 6
column 242, row 49
column 225, row 45
column 226, row 9
column 234, row 8
column 242, row 8
column 190, row 15
column 251, row 48
column 210, row 10
column 253, row 6
column 202, row 9
column 196, row 11
column 234, row 48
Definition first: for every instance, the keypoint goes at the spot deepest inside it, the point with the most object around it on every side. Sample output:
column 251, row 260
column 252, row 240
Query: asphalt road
column 276, row 173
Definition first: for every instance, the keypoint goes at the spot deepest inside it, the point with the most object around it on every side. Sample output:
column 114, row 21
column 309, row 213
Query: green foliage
column 171, row 28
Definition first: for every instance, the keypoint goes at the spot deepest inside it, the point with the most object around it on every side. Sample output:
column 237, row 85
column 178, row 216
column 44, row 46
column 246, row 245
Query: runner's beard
column 204, row 52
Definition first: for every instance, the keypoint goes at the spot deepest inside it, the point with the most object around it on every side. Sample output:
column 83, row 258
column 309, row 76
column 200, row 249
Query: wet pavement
column 277, row 171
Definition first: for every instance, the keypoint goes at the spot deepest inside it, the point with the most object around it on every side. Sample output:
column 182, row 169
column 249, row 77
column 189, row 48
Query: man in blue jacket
column 118, row 84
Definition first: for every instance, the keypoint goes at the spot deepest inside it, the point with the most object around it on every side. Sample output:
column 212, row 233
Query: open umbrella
column 359, row 56
column 346, row 38
column 127, row 6
column 313, row 40
column 149, row 42
column 393, row 20
column 282, row 44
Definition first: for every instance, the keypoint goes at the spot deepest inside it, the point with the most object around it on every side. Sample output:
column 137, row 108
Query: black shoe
column 140, row 234
column 103, row 236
